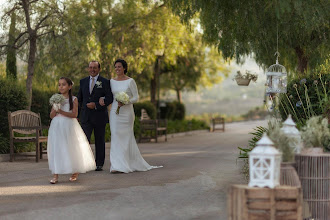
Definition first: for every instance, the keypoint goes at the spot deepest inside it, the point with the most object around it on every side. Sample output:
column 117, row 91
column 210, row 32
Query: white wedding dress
column 125, row 155
column 67, row 147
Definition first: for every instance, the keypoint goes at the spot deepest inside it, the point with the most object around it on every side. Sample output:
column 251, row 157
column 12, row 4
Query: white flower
column 56, row 100
column 122, row 97
column 98, row 84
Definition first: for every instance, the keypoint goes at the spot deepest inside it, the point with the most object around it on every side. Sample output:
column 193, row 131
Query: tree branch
column 48, row 32
column 41, row 20
column 27, row 16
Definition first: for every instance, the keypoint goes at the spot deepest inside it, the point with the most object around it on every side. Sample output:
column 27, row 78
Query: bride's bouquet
column 56, row 100
column 123, row 98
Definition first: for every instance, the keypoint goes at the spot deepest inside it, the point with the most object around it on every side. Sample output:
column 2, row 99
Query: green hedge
column 12, row 98
column 173, row 111
column 148, row 106
column 40, row 104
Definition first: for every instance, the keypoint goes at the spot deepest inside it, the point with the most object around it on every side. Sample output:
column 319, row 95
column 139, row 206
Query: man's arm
column 108, row 96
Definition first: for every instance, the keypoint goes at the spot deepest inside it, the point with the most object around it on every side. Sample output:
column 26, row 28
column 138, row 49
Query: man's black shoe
column 98, row 168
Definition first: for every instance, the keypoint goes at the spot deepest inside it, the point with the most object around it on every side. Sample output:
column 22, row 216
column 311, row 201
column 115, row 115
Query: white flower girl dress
column 68, row 148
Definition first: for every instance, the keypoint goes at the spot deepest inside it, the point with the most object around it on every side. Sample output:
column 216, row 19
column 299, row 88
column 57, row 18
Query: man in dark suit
column 93, row 116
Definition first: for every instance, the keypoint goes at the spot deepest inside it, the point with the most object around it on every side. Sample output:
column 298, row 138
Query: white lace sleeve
column 134, row 91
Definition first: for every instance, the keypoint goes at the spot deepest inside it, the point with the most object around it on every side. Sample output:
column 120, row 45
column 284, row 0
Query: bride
column 125, row 155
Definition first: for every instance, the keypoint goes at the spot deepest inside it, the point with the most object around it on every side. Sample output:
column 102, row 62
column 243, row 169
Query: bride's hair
column 123, row 62
column 70, row 83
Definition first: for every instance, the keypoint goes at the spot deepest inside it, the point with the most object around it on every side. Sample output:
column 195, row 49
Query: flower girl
column 68, row 149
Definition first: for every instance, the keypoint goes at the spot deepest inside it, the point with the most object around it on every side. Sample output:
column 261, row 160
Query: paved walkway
column 198, row 169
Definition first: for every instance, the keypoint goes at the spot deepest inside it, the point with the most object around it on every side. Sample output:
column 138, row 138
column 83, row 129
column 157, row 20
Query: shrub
column 148, row 106
column 174, row 126
column 12, row 98
column 40, row 104
column 180, row 111
column 305, row 97
column 168, row 111
column 173, row 111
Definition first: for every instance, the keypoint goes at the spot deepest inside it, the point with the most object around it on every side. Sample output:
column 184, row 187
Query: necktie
column 92, row 85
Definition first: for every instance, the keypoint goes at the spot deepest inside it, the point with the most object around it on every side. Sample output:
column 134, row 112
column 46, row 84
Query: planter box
column 280, row 203
column 314, row 173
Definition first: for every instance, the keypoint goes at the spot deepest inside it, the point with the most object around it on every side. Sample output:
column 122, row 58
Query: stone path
column 198, row 169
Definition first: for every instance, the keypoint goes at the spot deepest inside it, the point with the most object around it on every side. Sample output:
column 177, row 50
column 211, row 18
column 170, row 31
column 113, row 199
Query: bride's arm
column 74, row 112
column 134, row 90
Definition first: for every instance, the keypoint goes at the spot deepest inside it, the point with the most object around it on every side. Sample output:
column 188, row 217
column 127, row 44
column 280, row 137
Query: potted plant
column 244, row 79
column 283, row 142
column 316, row 135
column 313, row 166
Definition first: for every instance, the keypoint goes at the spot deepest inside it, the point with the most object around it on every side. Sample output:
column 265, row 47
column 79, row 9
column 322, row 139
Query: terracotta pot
column 288, row 174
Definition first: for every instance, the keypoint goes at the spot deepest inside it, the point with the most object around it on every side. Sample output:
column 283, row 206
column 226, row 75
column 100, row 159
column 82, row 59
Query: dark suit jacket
column 102, row 89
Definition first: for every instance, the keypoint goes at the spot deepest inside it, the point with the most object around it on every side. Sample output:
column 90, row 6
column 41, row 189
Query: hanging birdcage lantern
column 265, row 164
column 276, row 78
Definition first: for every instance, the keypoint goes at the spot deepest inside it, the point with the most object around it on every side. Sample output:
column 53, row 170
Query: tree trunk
column 11, row 68
column 153, row 86
column 178, row 95
column 302, row 60
column 31, row 61
column 154, row 82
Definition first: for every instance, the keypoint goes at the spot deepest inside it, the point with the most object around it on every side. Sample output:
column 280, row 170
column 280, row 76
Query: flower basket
column 242, row 81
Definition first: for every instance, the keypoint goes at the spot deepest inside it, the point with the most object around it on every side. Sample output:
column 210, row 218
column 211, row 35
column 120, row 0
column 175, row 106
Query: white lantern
column 276, row 78
column 289, row 128
column 265, row 164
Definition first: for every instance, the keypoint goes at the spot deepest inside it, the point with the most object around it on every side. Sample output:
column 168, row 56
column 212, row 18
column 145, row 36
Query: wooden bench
column 218, row 121
column 151, row 128
column 25, row 122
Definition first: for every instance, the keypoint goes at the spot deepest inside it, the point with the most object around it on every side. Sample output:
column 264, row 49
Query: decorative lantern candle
column 276, row 78
column 265, row 164
column 289, row 128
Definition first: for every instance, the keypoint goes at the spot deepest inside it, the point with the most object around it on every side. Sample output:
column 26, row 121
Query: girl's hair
column 123, row 62
column 70, row 83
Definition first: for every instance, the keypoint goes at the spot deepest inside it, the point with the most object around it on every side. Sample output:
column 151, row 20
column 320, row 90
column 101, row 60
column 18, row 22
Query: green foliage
column 173, row 111
column 12, row 98
column 11, row 68
column 40, row 103
column 174, row 126
column 281, row 140
column 148, row 106
column 257, row 134
column 180, row 111
column 305, row 97
column 240, row 28
column 244, row 151
column 316, row 133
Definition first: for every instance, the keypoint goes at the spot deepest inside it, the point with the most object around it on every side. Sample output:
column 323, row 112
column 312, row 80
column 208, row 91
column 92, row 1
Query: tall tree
column 11, row 67
column 243, row 27
column 39, row 19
